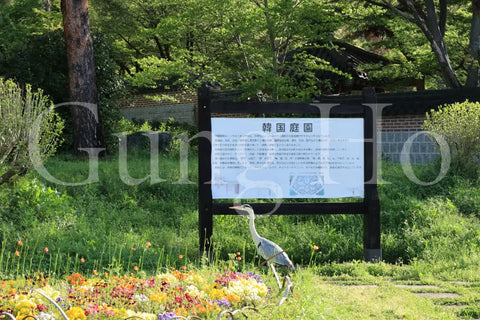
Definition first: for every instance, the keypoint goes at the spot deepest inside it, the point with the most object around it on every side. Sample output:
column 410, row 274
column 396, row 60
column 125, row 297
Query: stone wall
column 160, row 107
column 182, row 113
column 394, row 131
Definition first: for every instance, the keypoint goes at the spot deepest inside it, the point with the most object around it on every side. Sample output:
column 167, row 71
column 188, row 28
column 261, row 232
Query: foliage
column 112, row 89
column 179, row 44
column 301, row 79
column 26, row 121
column 459, row 125
column 33, row 51
column 41, row 62
column 30, row 204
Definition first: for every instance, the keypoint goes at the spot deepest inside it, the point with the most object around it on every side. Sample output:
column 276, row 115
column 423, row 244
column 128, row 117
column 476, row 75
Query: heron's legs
column 275, row 274
column 287, row 290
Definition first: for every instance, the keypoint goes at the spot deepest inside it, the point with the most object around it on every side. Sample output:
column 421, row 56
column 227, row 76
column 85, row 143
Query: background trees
column 436, row 19
column 252, row 44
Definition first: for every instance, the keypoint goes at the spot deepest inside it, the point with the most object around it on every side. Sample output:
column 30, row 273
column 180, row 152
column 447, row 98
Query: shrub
column 25, row 117
column 459, row 124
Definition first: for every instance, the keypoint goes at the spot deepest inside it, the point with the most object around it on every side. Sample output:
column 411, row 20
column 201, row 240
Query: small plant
column 459, row 125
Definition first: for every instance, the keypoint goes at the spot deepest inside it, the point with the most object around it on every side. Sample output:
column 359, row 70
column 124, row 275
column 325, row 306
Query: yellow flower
column 158, row 297
column 76, row 313
column 24, row 306
column 215, row 293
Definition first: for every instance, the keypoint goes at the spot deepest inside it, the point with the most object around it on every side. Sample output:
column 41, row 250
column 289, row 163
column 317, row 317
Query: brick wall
column 401, row 123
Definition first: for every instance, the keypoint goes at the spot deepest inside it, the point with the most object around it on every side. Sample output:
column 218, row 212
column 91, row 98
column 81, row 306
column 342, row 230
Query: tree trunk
column 473, row 77
column 48, row 6
column 435, row 33
column 87, row 124
column 448, row 73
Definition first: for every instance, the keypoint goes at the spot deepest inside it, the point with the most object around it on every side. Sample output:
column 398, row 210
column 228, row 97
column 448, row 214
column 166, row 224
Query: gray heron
column 268, row 249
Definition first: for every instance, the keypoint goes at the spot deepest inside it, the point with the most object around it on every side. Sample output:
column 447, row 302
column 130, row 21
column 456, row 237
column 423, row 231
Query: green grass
column 435, row 230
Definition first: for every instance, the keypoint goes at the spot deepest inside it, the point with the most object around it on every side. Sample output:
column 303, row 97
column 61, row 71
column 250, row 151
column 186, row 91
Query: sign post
column 327, row 152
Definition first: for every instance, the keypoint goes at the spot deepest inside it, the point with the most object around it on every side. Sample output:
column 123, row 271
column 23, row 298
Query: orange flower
column 315, row 247
column 76, row 279
column 46, row 250
column 95, row 272
column 82, row 260
column 238, row 253
column 239, row 258
column 135, row 268
column 19, row 243
column 184, row 267
column 181, row 312
column 201, row 309
column 148, row 244
column 180, row 256
column 133, row 249
column 17, row 253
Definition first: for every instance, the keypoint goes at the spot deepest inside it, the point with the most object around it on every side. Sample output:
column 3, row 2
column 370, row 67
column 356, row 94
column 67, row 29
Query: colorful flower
column 76, row 313
column 167, row 316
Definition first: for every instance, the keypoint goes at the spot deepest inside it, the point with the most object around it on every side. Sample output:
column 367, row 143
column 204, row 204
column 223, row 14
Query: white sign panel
column 274, row 158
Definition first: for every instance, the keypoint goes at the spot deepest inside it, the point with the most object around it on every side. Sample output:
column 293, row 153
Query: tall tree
column 87, row 124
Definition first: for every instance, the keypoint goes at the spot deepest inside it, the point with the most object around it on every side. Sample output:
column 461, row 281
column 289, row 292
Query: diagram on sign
column 306, row 185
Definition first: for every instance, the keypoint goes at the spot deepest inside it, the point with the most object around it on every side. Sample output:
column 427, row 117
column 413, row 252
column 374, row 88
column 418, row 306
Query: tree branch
column 443, row 17
column 387, row 5
column 431, row 16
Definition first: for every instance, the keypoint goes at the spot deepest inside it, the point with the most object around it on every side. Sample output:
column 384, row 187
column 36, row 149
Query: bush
column 459, row 125
column 26, row 119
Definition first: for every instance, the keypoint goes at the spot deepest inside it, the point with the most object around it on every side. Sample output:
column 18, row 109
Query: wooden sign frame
column 208, row 104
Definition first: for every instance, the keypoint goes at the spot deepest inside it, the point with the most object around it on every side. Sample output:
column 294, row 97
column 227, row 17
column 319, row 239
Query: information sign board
column 287, row 158
column 285, row 150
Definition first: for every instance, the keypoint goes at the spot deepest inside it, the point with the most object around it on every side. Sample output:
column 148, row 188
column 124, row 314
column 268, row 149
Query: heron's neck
column 253, row 231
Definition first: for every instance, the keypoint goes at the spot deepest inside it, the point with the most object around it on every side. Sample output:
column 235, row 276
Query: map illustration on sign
column 257, row 158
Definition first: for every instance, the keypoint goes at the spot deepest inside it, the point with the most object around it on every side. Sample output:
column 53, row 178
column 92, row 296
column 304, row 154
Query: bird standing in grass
column 268, row 249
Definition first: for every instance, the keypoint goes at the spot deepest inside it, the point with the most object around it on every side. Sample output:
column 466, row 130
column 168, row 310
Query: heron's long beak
column 236, row 208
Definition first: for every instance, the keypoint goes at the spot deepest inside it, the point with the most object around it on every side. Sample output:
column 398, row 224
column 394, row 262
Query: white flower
column 45, row 316
column 140, row 297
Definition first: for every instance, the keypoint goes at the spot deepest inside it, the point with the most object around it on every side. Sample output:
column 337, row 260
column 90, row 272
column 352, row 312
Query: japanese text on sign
column 287, row 158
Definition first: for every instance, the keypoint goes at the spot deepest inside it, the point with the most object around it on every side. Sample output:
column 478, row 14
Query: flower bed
column 164, row 296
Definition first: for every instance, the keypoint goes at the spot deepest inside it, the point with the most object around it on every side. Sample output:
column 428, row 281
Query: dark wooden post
column 205, row 214
column 371, row 246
